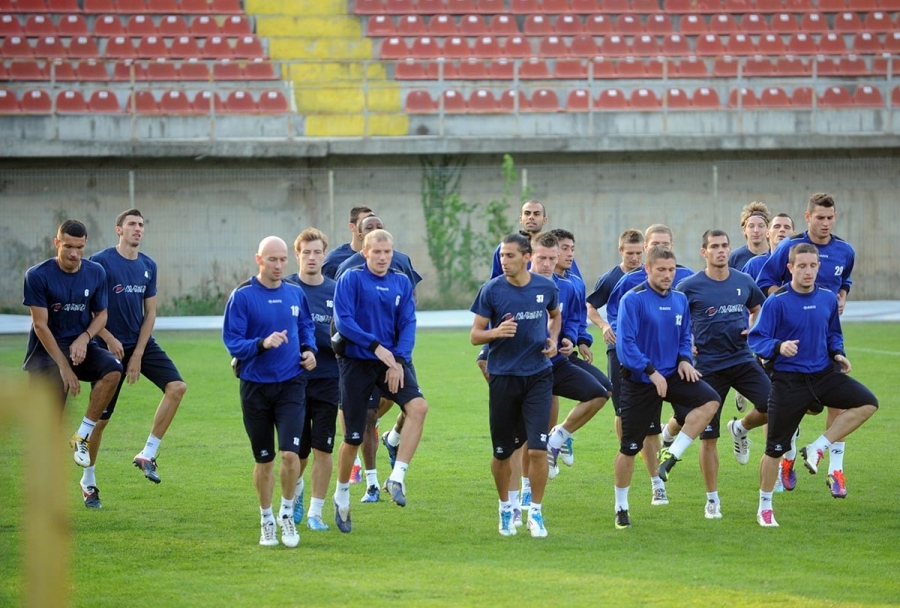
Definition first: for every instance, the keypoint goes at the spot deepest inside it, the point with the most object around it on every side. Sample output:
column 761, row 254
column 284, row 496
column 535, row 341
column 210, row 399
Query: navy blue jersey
column 372, row 310
column 320, row 299
column 628, row 282
column 568, row 308
column 128, row 284
column 335, row 258
column 654, row 332
column 497, row 270
column 755, row 264
column 579, row 309
column 739, row 257
column 399, row 262
column 71, row 300
column 835, row 264
column 252, row 314
column 718, row 316
column 812, row 318
column 498, row 300
column 604, row 286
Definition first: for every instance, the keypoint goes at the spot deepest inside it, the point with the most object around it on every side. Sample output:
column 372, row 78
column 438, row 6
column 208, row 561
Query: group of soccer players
column 334, row 342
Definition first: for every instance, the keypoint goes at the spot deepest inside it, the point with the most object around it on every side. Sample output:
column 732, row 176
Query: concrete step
column 346, row 100
column 353, row 125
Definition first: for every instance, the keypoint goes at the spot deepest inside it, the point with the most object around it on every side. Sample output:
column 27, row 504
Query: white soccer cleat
column 741, row 444
column 289, row 535
column 713, row 510
column 507, row 527
column 267, row 536
column 660, row 497
column 82, row 446
column 536, row 525
column 767, row 519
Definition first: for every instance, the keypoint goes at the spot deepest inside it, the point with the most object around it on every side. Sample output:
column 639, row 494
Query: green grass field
column 192, row 540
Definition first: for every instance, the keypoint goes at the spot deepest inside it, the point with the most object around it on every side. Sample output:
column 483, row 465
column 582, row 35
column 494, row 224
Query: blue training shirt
column 399, row 262
column 718, row 316
column 498, row 299
column 568, row 308
column 320, row 299
column 836, row 260
column 812, row 318
column 128, row 284
column 71, row 300
column 755, row 264
column 628, row 282
column 739, row 257
column 579, row 309
column 654, row 332
column 335, row 258
column 604, row 286
column 372, row 310
column 253, row 313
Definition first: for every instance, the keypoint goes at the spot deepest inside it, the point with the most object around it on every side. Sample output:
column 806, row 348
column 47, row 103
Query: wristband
column 90, row 337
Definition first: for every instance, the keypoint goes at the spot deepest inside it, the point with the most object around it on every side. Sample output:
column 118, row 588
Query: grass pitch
column 192, row 540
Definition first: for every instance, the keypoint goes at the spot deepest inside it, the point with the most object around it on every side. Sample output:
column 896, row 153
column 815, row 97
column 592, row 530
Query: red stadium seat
column 743, row 96
column 860, row 6
column 63, row 6
column 629, row 25
column 774, row 97
column 832, row 43
column 602, row 67
column 461, row 7
column 236, row 25
column 456, row 48
column 792, row 66
column 225, row 7
column 753, row 23
column 693, row 25
column 710, row 45
column 369, row 7
column 259, row 69
column 706, row 98
column 739, row 44
column 163, row 7
column 502, row 68
column 509, row 98
column 537, row 25
column 801, row 44
column 880, row 66
column 784, row 23
column 616, row 6
column 207, row 102
column 99, row 6
column 424, row 47
column 120, row 47
column 487, row 46
column 534, row 68
column 584, row 45
column 28, row 70
column 394, row 48
column 877, row 21
column 503, row 25
column 196, row 7
column 129, row 70
column 578, row 100
column 383, row 26
column 26, row 6
column 140, row 25
column 489, row 7
column 644, row 6
column 184, row 46
column 611, row 100
column 175, row 102
column 83, row 47
column 644, row 99
column 50, row 47
column 759, row 67
column 73, row 25
column 655, row 67
column 569, row 25
column 410, row 69
column 522, row 7
column 217, row 47
column 195, row 70
column 689, row 67
column 675, row 45
column 104, row 102
column 867, row 97
column 172, row 26
column 240, row 102
column 161, row 70
column 555, row 7
column 676, row 99
column 517, row 46
column 249, row 47
column 474, row 68
column 453, row 102
column 71, row 102
column 723, row 23
column 10, row 26
column 832, row 6
column 203, row 26
column 441, row 68
column 835, row 97
column 599, row 25
column 847, row 22
column 482, row 101
column 629, row 67
column 615, row 46
column 92, row 70
column 892, row 43
column 61, row 70
column 545, row 100
column 35, row 102
column 813, row 23
column 473, row 25
column 152, row 47
column 570, row 69
column 38, row 25
column 680, row 6
column 771, row 44
column 645, row 46
column 852, row 65
column 725, row 66
column 659, row 24
column 440, row 25
column 273, row 102
column 15, row 46
column 226, row 69
column 553, row 46
column 108, row 26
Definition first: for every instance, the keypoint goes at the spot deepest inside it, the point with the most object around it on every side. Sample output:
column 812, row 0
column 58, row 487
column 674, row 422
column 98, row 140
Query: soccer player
column 67, row 299
column 754, row 226
column 720, row 299
column 322, row 390
column 131, row 293
column 268, row 329
column 511, row 317
column 532, row 219
column 799, row 330
column 781, row 227
column 337, row 255
column 631, row 249
column 375, row 314
column 652, row 319
column 836, row 259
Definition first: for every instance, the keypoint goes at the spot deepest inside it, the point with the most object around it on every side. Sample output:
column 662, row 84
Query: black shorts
column 794, row 393
column 641, row 407
column 519, row 410
column 281, row 405
column 592, row 370
column 359, row 378
column 573, row 382
column 749, row 379
column 613, row 369
column 322, row 395
column 97, row 364
column 155, row 367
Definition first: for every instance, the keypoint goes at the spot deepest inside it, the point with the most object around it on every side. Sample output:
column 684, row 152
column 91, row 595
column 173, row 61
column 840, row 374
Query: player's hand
column 688, row 373
column 567, row 347
column 394, row 378
column 507, row 329
column 585, row 351
column 550, row 349
column 609, row 336
column 660, row 383
column 789, row 348
column 116, row 348
column 70, row 381
column 78, row 349
column 276, row 339
column 844, row 362
column 385, row 356
column 133, row 372
column 308, row 360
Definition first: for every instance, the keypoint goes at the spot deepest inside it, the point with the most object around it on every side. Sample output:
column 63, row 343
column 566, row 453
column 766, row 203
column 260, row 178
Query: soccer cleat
column 552, row 462
column 741, row 444
column 767, row 519
column 811, row 459
column 567, row 452
column 740, row 402
column 91, row 496
column 507, row 527
column 517, row 517
column 147, row 467
column 526, row 498
column 552, row 472
column 267, row 536
column 397, row 491
column 713, row 510
column 298, row 502
column 289, row 535
column 659, row 496
column 81, row 445
column 342, row 518
column 315, row 523
column 622, row 520
column 356, row 474
column 373, row 494
column 838, row 486
column 536, row 525
column 666, row 463
column 391, row 449
column 787, row 475
column 779, row 486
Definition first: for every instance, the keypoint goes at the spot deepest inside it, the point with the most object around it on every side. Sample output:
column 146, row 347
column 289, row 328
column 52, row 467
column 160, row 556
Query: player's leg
column 415, row 408
column 695, row 402
column 536, row 415
column 504, row 418
column 639, row 406
column 357, row 377
column 573, row 382
column 104, row 372
column 259, row 423
column 290, row 418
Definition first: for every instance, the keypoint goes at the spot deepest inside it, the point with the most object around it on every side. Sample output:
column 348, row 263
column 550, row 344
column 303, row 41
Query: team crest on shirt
column 678, row 320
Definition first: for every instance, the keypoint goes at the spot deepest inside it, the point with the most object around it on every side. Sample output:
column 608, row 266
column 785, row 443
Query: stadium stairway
column 338, row 85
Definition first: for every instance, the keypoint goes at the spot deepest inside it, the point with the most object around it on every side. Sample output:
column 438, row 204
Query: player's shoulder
column 93, row 267
column 639, row 288
column 103, row 256
column 244, row 285
column 783, row 290
column 41, row 268
column 328, row 283
column 540, row 281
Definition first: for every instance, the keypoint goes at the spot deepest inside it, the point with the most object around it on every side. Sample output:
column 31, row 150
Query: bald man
column 270, row 333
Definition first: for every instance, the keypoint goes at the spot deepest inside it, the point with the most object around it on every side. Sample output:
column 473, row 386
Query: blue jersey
column 372, row 310
column 628, row 282
column 739, row 257
column 718, row 316
column 604, row 286
column 320, row 299
column 335, row 258
column 399, row 262
column 755, row 264
column 71, row 300
column 498, row 300
column 568, row 308
column 654, row 332
column 252, row 314
column 579, row 309
column 128, row 284
column 497, row 270
column 835, row 264
column 812, row 318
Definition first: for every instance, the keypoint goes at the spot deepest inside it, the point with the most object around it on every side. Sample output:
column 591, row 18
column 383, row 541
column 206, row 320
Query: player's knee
column 176, row 390
column 289, row 458
column 417, row 408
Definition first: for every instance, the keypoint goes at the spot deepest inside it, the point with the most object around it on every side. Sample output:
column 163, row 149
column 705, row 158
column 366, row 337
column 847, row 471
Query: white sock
column 712, row 496
column 656, row 482
column 86, row 428
column 506, row 506
column 836, row 460
column 765, row 501
column 315, row 507
column 265, row 514
column 287, row 507
column 667, row 437
column 151, row 447
column 88, row 478
column 535, row 508
column 342, row 494
column 393, row 438
column 739, row 428
column 298, row 489
column 526, row 485
column 682, row 442
column 399, row 472
column 514, row 498
column 357, row 462
column 622, row 499
column 821, row 443
column 372, row 477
